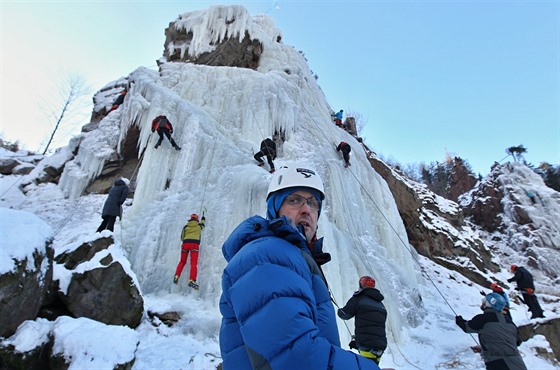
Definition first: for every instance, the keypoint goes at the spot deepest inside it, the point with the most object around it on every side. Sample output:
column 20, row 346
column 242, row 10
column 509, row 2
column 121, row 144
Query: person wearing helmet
column 268, row 149
column 113, row 205
column 370, row 338
column 345, row 148
column 497, row 334
column 525, row 284
column 499, row 290
column 118, row 101
column 338, row 118
column 190, row 235
column 275, row 304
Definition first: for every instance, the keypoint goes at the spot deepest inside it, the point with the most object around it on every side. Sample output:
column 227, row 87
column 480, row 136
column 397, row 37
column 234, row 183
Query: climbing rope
column 388, row 223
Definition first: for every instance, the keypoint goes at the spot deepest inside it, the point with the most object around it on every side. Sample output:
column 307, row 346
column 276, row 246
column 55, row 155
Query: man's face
column 303, row 214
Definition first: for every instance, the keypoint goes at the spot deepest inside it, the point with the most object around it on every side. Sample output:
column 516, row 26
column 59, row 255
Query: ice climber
column 497, row 334
column 268, row 149
column 190, row 235
column 370, row 338
column 113, row 205
column 275, row 305
column 346, row 149
column 118, row 101
column 163, row 127
column 525, row 284
column 338, row 118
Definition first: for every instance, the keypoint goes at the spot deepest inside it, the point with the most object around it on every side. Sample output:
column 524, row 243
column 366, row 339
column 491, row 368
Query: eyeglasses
column 295, row 200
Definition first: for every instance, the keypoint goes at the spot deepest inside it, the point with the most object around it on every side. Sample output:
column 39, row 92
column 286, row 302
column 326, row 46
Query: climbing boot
column 175, row 279
column 193, row 284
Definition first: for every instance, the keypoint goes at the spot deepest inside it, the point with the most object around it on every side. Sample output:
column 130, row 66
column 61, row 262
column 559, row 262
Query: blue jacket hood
column 256, row 227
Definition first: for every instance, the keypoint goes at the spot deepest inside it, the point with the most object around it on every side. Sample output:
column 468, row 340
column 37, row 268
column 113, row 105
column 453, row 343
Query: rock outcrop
column 513, row 201
column 106, row 292
column 436, row 227
column 229, row 47
column 23, row 289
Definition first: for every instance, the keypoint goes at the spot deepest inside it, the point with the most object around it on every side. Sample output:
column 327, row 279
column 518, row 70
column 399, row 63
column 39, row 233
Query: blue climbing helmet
column 495, row 301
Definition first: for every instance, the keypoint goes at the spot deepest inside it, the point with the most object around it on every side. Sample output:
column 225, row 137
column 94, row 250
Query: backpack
column 268, row 147
column 163, row 121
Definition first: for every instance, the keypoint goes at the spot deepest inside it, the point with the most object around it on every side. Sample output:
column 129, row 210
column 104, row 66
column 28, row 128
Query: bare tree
column 72, row 88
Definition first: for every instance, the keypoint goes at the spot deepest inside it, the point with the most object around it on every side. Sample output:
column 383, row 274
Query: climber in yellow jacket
column 191, row 241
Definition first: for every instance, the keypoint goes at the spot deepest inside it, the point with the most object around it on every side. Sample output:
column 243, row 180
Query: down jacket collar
column 257, row 227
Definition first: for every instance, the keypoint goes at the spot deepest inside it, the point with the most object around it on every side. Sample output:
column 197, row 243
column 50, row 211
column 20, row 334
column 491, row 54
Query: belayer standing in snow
column 366, row 306
column 499, row 290
column 268, row 149
column 497, row 334
column 113, row 205
column 276, row 308
column 525, row 284
column 338, row 118
column 346, row 149
column 190, row 235
column 163, row 127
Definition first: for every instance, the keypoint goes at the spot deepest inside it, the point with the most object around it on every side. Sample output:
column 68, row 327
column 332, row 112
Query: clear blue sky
column 467, row 77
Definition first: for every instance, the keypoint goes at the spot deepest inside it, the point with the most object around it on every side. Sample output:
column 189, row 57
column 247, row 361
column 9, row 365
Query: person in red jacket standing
column 163, row 127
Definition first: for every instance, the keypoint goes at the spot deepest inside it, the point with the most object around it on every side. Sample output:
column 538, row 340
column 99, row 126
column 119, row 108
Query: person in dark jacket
column 345, row 148
column 268, row 149
column 497, row 334
column 370, row 313
column 163, row 127
column 276, row 308
column 190, row 235
column 525, row 284
column 113, row 205
column 118, row 101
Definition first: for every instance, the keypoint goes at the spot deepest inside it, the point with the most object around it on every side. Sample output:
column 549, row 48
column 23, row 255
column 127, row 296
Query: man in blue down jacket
column 275, row 305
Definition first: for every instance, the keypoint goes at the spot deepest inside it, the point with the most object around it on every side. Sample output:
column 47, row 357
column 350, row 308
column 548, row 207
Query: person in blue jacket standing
column 275, row 304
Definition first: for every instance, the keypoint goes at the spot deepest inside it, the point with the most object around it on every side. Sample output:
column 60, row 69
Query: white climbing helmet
column 295, row 176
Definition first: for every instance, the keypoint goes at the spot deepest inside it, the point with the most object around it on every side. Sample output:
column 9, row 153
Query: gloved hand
column 153, row 130
column 203, row 218
column 459, row 319
column 482, row 293
column 509, row 280
column 517, row 288
column 171, row 131
column 352, row 344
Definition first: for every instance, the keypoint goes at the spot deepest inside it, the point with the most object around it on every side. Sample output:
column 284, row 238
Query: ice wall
column 220, row 115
